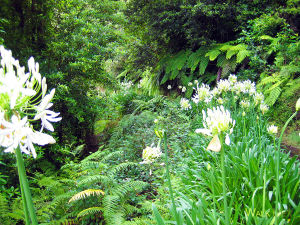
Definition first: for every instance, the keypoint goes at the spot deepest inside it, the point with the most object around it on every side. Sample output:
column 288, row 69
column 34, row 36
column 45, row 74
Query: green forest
column 140, row 112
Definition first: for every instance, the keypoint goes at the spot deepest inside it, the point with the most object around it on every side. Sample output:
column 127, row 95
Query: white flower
column 180, row 87
column 220, row 101
column 298, row 105
column 249, row 87
column 232, row 79
column 258, row 98
column 264, row 108
column 245, row 104
column 156, row 121
column 185, row 104
column 190, row 84
column 203, row 92
column 196, row 82
column 272, row 129
column 183, row 89
column 45, row 114
column 150, row 154
column 169, row 87
column 19, row 97
column 223, row 86
column 216, row 121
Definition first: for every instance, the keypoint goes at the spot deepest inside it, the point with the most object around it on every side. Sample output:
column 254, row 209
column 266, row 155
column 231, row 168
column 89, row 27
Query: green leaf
column 203, row 65
column 213, row 54
column 242, row 55
column 157, row 215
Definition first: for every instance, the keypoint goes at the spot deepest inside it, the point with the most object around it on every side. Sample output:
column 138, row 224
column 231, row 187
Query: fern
column 273, row 96
column 4, row 208
column 105, row 180
column 130, row 187
column 113, row 214
column 86, row 193
column 213, row 54
column 122, row 167
column 90, row 211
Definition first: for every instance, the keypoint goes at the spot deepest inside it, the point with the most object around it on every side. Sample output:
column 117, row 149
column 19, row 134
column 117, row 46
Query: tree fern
column 213, row 54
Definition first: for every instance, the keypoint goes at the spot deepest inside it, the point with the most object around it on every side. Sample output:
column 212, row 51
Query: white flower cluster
column 23, row 99
column 150, row 154
column 272, row 129
column 243, row 90
column 217, row 121
column 126, row 85
column 185, row 104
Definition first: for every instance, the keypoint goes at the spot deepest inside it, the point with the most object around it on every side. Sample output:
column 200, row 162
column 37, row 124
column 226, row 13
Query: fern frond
column 122, row 167
column 4, row 208
column 95, row 156
column 139, row 221
column 213, row 54
column 242, row 55
column 113, row 155
column 130, row 187
column 90, row 211
column 86, row 193
column 274, row 86
column 113, row 213
column 105, row 180
column 292, row 88
column 62, row 198
column 267, row 80
column 273, row 97
column 203, row 65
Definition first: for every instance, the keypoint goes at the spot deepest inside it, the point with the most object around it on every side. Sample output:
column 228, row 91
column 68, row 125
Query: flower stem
column 25, row 188
column 223, row 179
column 169, row 179
column 277, row 166
column 27, row 218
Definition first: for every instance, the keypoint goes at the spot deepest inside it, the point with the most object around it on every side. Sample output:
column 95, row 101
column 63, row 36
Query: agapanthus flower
column 185, row 104
column 23, row 99
column 264, row 108
column 298, row 105
column 183, row 89
column 220, row 101
column 258, row 98
column 169, row 87
column 203, row 92
column 217, row 121
column 150, row 154
column 232, row 79
column 249, row 87
column 190, row 84
column 223, row 86
column 245, row 104
column 272, row 129
column 238, row 87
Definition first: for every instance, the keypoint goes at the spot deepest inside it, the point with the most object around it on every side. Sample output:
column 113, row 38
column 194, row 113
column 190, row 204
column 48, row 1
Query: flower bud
column 298, row 105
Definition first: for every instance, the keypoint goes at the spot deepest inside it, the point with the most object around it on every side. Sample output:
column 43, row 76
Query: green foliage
column 225, row 56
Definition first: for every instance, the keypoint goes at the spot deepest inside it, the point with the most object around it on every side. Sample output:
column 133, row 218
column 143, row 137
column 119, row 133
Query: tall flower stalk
column 219, row 124
column 23, row 100
column 278, row 157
